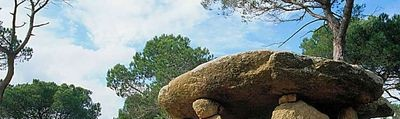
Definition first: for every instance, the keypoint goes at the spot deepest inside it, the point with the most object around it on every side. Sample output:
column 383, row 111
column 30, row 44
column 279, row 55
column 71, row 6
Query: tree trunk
column 338, row 48
column 337, row 41
column 10, row 74
column 338, row 27
column 340, row 39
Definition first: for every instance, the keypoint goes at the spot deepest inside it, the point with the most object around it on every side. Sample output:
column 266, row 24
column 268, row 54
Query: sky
column 88, row 37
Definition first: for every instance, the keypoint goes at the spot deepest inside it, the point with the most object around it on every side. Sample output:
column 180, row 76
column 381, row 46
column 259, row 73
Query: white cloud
column 116, row 22
column 59, row 60
column 112, row 25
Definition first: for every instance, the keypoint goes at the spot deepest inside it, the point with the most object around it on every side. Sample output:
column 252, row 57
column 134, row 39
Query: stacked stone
column 207, row 109
column 278, row 85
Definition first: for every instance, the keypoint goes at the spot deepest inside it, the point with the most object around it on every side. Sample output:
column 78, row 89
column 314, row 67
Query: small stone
column 348, row 113
column 250, row 84
column 205, row 108
column 297, row 110
column 288, row 98
column 215, row 117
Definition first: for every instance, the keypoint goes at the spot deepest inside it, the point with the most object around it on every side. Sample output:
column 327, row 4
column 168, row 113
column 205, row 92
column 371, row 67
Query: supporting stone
column 297, row 110
column 215, row 117
column 348, row 113
column 288, row 98
column 265, row 76
column 207, row 109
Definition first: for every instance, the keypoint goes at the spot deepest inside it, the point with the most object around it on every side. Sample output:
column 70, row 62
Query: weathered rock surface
column 288, row 98
column 205, row 108
column 348, row 113
column 214, row 117
column 297, row 110
column 248, row 85
column 379, row 108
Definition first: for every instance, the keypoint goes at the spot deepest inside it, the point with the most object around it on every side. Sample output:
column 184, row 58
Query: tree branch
column 346, row 16
column 291, row 36
column 391, row 96
column 2, row 49
column 14, row 20
column 307, row 9
column 31, row 24
column 40, row 25
column 314, row 14
column 42, row 5
column 21, row 25
column 390, row 88
column 21, row 2
column 137, row 90
column 313, row 31
column 288, row 20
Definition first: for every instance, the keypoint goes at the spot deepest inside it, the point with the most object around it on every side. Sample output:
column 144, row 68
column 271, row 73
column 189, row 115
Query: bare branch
column 22, row 25
column 346, row 17
column 64, row 1
column 14, row 20
column 137, row 90
column 301, row 17
column 30, row 28
column 272, row 44
column 19, row 3
column 337, row 15
column 299, row 31
column 37, row 3
column 40, row 25
column 28, row 8
column 313, row 31
column 307, row 9
column 391, row 88
column 313, row 14
column 42, row 5
column 390, row 84
column 67, row 3
column 391, row 96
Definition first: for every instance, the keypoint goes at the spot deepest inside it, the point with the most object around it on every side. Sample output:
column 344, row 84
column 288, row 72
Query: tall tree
column 336, row 13
column 11, row 47
column 373, row 43
column 46, row 100
column 163, row 58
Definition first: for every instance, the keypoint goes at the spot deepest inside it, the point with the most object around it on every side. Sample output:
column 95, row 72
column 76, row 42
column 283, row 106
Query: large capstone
column 249, row 85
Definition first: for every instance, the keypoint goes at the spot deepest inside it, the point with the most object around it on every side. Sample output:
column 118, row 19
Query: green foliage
column 46, row 100
column 163, row 58
column 143, row 106
column 10, row 44
column 320, row 44
column 373, row 43
column 396, row 109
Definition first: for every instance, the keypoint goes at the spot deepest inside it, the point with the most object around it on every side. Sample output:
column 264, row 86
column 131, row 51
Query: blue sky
column 85, row 40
